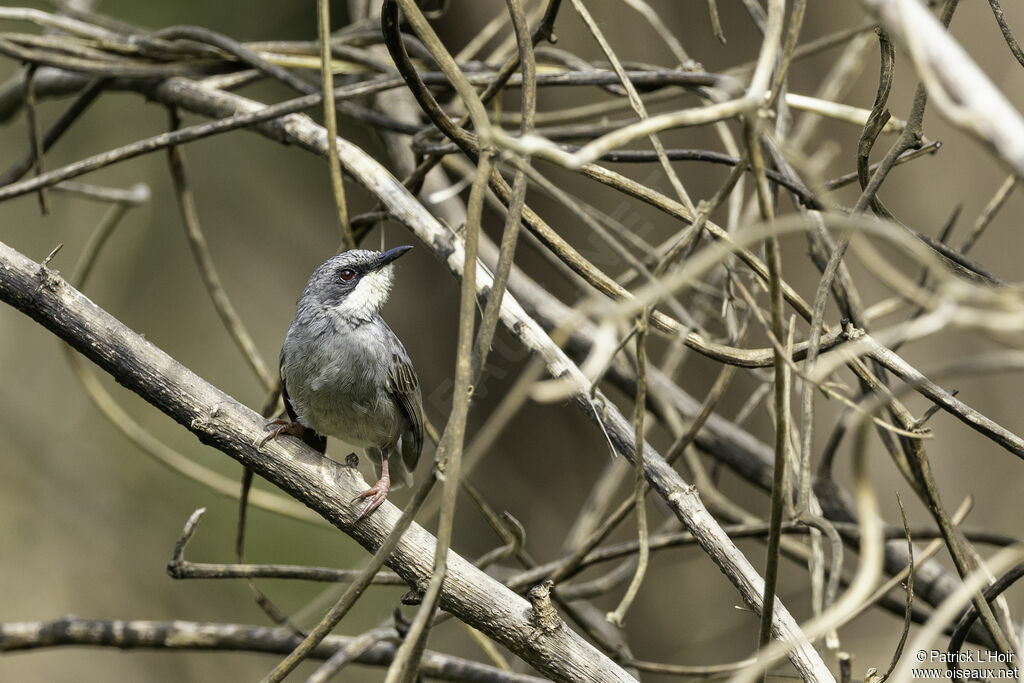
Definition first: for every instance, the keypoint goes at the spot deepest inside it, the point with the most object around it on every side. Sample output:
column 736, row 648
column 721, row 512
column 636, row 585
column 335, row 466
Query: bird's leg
column 379, row 491
column 280, row 426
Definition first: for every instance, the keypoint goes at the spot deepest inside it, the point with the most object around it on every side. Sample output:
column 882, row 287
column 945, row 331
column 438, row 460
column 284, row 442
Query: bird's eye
column 347, row 274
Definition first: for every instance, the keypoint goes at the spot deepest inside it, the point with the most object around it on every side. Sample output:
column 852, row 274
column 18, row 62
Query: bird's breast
column 337, row 383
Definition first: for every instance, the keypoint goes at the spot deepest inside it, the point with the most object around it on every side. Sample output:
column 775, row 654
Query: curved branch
column 961, row 90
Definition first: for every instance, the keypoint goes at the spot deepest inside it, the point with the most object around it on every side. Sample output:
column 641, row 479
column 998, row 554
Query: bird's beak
column 390, row 255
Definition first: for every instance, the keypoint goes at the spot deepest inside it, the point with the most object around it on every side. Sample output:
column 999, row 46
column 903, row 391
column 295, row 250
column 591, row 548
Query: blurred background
column 89, row 521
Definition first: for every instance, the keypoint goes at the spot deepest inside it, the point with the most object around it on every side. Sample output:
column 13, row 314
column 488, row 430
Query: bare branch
column 191, row 635
column 320, row 483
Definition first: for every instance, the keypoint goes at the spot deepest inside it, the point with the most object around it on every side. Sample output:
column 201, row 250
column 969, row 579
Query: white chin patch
column 369, row 295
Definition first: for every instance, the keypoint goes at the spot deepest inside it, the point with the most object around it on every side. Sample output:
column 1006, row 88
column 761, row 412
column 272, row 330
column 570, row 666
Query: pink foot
column 377, row 494
column 280, row 426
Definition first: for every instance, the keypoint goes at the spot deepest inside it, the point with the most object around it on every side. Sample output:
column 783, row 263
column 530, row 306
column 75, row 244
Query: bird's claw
column 279, row 426
column 377, row 494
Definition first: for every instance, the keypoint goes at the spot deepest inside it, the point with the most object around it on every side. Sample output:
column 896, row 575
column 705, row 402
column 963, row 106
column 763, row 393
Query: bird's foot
column 280, row 426
column 377, row 494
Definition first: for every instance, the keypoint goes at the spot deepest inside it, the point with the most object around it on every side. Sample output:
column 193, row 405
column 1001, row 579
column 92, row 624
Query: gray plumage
column 345, row 374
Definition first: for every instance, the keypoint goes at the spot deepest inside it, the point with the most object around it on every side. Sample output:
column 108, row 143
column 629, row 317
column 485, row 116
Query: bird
column 345, row 374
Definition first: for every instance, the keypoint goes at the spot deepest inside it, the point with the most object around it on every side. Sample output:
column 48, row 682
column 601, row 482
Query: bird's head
column 355, row 283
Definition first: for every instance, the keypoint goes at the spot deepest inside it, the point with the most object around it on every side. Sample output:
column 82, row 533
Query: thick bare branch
column 320, row 483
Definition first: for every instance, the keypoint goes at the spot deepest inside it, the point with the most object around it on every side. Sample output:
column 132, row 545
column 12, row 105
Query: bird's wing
column 404, row 388
column 310, row 437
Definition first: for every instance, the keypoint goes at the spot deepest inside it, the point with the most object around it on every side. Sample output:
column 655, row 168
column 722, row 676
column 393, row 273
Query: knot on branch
column 420, row 586
column 850, row 331
column 676, row 496
column 542, row 613
column 206, row 422
column 49, row 280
